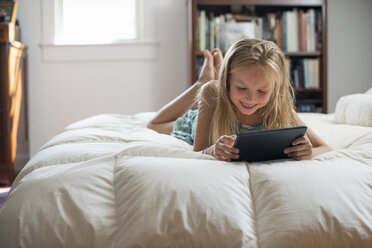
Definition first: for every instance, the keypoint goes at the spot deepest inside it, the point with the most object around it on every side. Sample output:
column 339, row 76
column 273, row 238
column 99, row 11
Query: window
column 86, row 30
column 96, row 21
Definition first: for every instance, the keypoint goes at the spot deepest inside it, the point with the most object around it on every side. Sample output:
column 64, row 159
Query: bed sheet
column 108, row 181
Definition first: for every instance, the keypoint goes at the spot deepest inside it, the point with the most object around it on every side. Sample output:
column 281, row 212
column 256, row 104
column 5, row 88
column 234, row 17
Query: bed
column 108, row 181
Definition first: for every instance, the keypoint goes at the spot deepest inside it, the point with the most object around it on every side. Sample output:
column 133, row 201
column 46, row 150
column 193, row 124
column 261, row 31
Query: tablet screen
column 266, row 145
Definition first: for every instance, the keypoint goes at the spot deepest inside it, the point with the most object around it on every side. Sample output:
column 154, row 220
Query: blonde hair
column 278, row 112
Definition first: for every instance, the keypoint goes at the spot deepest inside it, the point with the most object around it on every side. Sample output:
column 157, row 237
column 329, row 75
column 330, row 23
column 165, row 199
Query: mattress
column 108, row 181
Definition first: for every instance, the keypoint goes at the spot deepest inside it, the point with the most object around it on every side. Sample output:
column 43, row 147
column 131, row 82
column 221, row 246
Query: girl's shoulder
column 210, row 87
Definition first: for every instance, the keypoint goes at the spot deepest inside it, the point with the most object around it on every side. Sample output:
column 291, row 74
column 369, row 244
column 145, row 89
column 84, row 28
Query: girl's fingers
column 228, row 155
column 227, row 139
column 222, row 158
column 224, row 148
column 229, row 149
column 227, row 144
column 298, row 148
column 298, row 141
column 300, row 153
column 301, row 149
column 302, row 158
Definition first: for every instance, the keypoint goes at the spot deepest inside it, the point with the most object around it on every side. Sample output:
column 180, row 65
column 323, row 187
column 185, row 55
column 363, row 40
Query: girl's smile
column 247, row 106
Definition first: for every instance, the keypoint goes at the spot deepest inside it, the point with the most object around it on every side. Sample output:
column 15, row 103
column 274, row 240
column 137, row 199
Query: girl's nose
column 248, row 95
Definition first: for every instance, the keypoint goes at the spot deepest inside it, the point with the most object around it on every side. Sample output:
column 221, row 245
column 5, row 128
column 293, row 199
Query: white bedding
column 108, row 181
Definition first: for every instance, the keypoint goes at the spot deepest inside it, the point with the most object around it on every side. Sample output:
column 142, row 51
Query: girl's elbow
column 196, row 149
column 151, row 125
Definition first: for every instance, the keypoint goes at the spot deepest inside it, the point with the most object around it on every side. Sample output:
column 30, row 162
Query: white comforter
column 108, row 181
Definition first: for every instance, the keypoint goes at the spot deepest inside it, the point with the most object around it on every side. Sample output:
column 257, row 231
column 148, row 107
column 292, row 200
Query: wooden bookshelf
column 304, row 95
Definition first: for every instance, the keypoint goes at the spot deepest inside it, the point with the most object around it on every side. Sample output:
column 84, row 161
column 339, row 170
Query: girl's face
column 250, row 89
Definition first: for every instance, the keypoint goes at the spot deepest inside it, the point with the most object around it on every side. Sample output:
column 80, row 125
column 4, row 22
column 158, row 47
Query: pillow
column 354, row 109
column 369, row 92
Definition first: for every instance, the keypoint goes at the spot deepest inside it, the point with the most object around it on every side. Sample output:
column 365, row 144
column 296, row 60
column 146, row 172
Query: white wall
column 349, row 48
column 61, row 93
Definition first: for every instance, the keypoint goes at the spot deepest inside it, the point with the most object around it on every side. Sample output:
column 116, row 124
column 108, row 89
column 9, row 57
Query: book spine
column 207, row 33
column 311, row 73
column 306, row 74
column 301, row 74
column 304, row 35
column 258, row 28
column 308, row 33
column 277, row 33
column 316, row 74
column 217, row 30
column 300, row 36
column 212, row 34
column 289, row 32
column 295, row 30
column 312, row 30
column 202, row 30
column 285, row 28
column 319, row 34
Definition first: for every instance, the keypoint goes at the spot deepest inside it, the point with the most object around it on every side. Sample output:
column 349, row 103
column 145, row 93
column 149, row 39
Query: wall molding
column 130, row 50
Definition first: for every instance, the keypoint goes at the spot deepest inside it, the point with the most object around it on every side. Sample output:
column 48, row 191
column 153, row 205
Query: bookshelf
column 299, row 27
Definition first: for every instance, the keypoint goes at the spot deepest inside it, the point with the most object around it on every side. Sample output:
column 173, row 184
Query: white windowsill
column 126, row 50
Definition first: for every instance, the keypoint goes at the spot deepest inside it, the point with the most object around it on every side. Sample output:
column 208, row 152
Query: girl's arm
column 205, row 114
column 163, row 121
column 307, row 147
column 223, row 149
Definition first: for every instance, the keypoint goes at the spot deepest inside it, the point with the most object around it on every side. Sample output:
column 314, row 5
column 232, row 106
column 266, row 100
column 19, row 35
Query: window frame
column 140, row 48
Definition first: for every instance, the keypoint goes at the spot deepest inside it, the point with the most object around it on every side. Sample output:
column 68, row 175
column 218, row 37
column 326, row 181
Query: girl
column 253, row 92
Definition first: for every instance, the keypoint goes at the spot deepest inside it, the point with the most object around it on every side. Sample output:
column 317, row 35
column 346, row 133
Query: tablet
column 266, row 145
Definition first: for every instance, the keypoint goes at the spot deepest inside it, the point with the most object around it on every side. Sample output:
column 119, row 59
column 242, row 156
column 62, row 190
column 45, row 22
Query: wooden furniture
column 9, row 32
column 304, row 96
column 14, row 151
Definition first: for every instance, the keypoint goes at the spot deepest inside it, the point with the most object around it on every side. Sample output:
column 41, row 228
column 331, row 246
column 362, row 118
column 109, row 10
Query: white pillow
column 354, row 109
column 369, row 92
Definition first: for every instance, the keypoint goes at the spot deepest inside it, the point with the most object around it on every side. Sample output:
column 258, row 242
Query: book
column 258, row 27
column 306, row 107
column 316, row 74
column 212, row 30
column 234, row 31
column 295, row 35
column 308, row 33
column 285, row 31
column 310, row 30
column 202, row 30
column 318, row 31
column 293, row 30
column 278, row 39
column 304, row 32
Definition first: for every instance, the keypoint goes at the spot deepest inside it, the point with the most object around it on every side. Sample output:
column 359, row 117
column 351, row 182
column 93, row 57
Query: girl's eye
column 241, row 89
column 262, row 92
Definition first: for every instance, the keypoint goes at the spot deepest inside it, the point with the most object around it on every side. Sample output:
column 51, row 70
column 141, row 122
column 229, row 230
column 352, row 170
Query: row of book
column 308, row 107
column 304, row 73
column 293, row 30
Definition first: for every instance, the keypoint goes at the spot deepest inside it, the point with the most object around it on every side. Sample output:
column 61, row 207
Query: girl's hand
column 224, row 148
column 301, row 149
